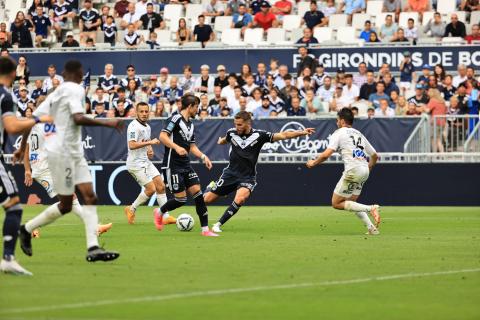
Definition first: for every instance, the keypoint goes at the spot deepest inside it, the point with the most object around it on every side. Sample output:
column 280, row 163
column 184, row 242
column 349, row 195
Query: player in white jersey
column 36, row 168
column 66, row 160
column 140, row 149
column 354, row 148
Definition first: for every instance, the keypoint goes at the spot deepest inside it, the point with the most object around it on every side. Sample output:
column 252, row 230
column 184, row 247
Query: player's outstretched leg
column 240, row 198
column 202, row 211
column 143, row 197
column 350, row 204
column 11, row 226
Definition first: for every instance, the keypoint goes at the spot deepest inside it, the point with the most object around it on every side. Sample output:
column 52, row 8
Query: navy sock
column 230, row 212
column 173, row 204
column 201, row 207
column 11, row 226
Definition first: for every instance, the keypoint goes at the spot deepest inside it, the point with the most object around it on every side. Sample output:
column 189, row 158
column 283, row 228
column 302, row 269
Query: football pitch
column 269, row 263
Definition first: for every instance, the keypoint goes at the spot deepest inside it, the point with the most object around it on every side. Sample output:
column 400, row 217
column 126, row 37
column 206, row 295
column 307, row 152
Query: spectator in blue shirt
column 295, row 110
column 264, row 110
column 42, row 25
column 375, row 98
column 242, row 19
column 406, row 72
column 314, row 18
column 353, row 6
column 365, row 34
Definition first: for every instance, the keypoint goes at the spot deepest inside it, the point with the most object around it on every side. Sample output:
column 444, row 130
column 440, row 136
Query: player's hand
column 220, row 140
column 150, row 152
column 181, row 151
column 17, row 156
column 310, row 164
column 309, row 131
column 116, row 124
column 154, row 141
column 208, row 163
column 28, row 178
column 46, row 119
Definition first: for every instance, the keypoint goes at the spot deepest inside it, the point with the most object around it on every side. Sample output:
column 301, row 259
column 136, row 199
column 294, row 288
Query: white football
column 185, row 222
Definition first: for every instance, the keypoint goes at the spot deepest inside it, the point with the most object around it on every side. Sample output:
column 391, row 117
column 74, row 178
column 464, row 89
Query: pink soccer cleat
column 209, row 233
column 158, row 219
column 375, row 213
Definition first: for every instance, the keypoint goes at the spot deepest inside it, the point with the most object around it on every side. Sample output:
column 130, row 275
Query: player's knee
column 90, row 199
column 65, row 207
column 337, row 205
column 160, row 188
column 241, row 200
column 149, row 189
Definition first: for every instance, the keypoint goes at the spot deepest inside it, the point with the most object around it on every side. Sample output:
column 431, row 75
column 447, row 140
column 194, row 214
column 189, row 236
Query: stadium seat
column 214, row 45
column 446, row 6
column 462, row 16
column 380, row 19
column 192, row 12
column 164, row 36
column 192, row 45
column 296, row 34
column 453, row 40
column 348, row 35
column 291, row 22
column 338, row 20
column 404, row 16
column 254, row 36
column 144, row 33
column 427, row 16
column 173, row 24
column 222, row 23
column 374, row 7
column 103, row 45
column 172, row 11
column 169, row 45
column 358, row 20
column 231, row 37
column 323, row 34
column 120, row 36
column 276, row 35
column 303, row 6
column 475, row 17
column 427, row 41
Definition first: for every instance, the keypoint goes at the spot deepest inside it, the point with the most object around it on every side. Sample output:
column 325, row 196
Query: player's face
column 193, row 110
column 242, row 126
column 143, row 113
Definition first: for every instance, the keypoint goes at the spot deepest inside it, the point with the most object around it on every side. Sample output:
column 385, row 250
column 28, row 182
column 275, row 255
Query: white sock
column 162, row 199
column 76, row 207
column 364, row 217
column 205, row 229
column 141, row 199
column 47, row 216
column 90, row 219
column 356, row 207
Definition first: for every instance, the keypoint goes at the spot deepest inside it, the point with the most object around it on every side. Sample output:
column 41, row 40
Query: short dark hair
column 348, row 75
column 72, row 66
column 7, row 66
column 244, row 115
column 188, row 100
column 141, row 104
column 347, row 115
column 201, row 16
column 288, row 76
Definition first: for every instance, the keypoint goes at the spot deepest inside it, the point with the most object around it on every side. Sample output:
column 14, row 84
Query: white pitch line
column 183, row 295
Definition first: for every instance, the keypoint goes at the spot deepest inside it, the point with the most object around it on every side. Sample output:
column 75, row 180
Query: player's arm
column 150, row 152
column 132, row 144
column 165, row 140
column 14, row 125
column 321, row 158
column 292, row 134
column 222, row 140
column 199, row 154
column 373, row 161
column 81, row 120
column 28, row 169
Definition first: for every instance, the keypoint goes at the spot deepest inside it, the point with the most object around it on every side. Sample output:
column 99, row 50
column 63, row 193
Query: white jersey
column 352, row 145
column 36, row 148
column 67, row 100
column 138, row 132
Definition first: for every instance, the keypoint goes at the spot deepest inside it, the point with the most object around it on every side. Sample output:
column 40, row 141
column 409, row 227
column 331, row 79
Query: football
column 185, row 222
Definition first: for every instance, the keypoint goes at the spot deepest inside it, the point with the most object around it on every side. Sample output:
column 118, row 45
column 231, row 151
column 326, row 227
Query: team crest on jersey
column 132, row 135
column 45, row 184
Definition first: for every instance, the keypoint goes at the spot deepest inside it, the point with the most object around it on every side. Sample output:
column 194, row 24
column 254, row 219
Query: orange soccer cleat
column 130, row 214
column 102, row 228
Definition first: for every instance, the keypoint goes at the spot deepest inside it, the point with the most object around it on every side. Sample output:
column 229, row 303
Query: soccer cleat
column 36, row 233
column 216, row 227
column 373, row 231
column 130, row 214
column 209, row 233
column 96, row 254
column 25, row 241
column 102, row 228
column 13, row 267
column 170, row 220
column 375, row 213
column 158, row 219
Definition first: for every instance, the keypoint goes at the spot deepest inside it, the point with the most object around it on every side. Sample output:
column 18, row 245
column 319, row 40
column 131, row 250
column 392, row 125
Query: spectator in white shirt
column 249, row 84
column 350, row 91
column 131, row 17
column 52, row 74
column 141, row 7
column 384, row 111
column 361, row 77
column 326, row 91
column 229, row 91
column 461, row 76
column 205, row 83
column 213, row 9
column 411, row 31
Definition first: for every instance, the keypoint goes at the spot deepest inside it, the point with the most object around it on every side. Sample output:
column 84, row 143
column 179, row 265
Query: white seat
column 348, row 35
column 168, row 44
column 144, row 33
column 446, row 6
column 303, row 6
column 276, row 35
column 291, row 22
column 462, row 16
column 374, row 7
column 192, row 45
column 427, row 41
column 453, row 40
column 427, row 16
column 193, row 11
column 338, row 20
column 164, row 36
column 222, row 23
column 475, row 17
column 380, row 19
column 404, row 16
column 173, row 24
column 172, row 11
column 231, row 37
column 323, row 34
column 296, row 34
column 103, row 45
column 358, row 20
column 214, row 44
column 253, row 36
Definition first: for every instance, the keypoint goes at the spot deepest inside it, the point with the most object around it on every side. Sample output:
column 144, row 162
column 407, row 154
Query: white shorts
column 144, row 175
column 45, row 179
column 405, row 85
column 351, row 182
column 67, row 172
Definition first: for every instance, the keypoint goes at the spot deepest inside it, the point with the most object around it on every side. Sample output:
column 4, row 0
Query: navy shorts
column 180, row 180
column 8, row 187
column 228, row 183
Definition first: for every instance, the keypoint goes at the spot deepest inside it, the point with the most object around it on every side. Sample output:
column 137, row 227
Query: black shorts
column 180, row 180
column 228, row 183
column 8, row 187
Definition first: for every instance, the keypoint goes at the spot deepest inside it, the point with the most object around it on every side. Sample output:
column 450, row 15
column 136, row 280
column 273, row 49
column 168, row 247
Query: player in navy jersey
column 9, row 198
column 179, row 140
column 241, row 173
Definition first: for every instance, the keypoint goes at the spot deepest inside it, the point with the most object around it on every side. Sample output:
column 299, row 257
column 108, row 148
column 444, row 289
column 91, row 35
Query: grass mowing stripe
column 234, row 290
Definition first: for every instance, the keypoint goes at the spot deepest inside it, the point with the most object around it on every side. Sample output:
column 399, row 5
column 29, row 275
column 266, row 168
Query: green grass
column 261, row 247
